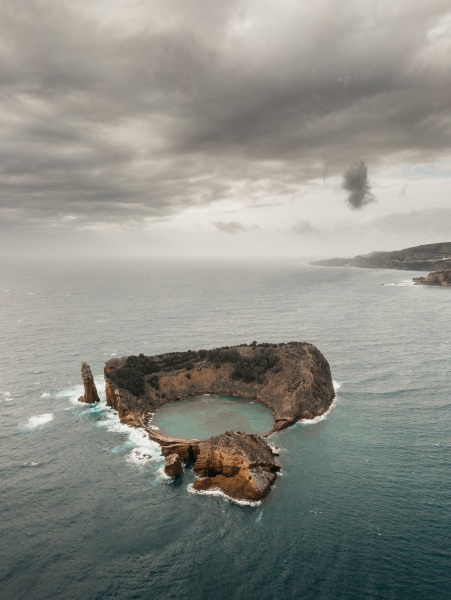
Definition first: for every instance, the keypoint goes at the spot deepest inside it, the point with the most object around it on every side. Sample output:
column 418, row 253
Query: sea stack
column 90, row 396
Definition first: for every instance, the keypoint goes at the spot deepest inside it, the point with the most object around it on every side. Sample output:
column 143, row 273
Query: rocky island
column 293, row 380
column 427, row 257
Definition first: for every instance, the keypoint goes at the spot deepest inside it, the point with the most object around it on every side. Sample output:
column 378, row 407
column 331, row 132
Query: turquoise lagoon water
column 203, row 416
column 362, row 509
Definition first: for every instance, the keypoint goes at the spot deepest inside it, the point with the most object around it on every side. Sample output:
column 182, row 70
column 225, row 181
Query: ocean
column 362, row 507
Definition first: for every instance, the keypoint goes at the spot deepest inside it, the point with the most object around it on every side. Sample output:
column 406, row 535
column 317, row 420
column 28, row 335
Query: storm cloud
column 356, row 183
column 128, row 112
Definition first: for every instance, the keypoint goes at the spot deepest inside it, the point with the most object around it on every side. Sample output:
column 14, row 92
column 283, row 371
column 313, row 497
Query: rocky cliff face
column 437, row 278
column 293, row 380
column 90, row 395
column 240, row 465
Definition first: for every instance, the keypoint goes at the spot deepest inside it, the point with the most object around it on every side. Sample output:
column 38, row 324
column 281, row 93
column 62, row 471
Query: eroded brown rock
column 90, row 396
column 173, row 466
column 436, row 278
column 238, row 464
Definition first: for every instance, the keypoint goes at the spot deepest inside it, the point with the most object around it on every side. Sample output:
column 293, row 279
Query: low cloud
column 232, row 227
column 356, row 183
column 303, row 228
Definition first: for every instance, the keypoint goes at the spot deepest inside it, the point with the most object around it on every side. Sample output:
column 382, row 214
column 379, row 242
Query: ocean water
column 362, row 509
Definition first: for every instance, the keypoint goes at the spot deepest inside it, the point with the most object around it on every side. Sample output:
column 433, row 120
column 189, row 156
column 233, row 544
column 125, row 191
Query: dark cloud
column 120, row 117
column 232, row 227
column 356, row 183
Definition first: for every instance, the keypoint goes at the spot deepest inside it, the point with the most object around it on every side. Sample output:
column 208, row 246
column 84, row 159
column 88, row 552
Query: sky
column 205, row 128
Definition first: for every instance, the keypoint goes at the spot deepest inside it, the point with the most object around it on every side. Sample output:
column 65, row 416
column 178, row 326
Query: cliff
column 240, row 465
column 416, row 258
column 436, row 279
column 293, row 380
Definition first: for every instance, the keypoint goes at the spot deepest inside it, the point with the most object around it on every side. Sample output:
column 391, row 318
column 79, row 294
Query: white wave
column 38, row 420
column 403, row 283
column 163, row 475
column 6, row 397
column 216, row 492
column 30, row 464
column 142, row 448
column 320, row 418
column 336, row 385
column 74, row 392
column 45, row 395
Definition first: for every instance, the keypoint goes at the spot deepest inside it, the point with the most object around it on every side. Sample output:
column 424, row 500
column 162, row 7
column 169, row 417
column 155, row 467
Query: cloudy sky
column 212, row 127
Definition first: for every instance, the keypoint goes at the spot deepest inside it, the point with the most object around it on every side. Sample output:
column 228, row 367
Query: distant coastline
column 428, row 257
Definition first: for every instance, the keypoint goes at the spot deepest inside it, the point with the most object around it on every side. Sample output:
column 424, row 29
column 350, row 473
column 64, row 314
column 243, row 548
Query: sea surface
column 362, row 508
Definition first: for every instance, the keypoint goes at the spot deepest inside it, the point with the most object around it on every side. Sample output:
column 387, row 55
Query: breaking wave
column 324, row 416
column 217, row 492
column 39, row 420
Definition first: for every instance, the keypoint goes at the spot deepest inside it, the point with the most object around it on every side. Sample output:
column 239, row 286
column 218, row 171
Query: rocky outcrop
column 240, row 465
column 293, row 380
column 436, row 278
column 173, row 466
column 90, row 395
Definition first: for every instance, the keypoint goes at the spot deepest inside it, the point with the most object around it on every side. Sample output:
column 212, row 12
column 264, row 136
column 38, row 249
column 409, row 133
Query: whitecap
column 216, row 492
column 403, row 283
column 38, row 420
column 6, row 397
column 336, row 385
column 45, row 395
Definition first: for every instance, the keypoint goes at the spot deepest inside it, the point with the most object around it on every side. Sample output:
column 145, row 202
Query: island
column 292, row 379
column 427, row 257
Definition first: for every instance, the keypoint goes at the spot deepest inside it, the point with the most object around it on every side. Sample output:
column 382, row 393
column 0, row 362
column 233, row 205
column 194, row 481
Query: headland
column 427, row 257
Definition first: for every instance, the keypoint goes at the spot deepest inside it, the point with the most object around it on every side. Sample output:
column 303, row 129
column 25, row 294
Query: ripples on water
column 362, row 509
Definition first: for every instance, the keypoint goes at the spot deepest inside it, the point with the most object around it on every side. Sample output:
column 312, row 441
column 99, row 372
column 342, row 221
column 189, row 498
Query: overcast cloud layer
column 130, row 112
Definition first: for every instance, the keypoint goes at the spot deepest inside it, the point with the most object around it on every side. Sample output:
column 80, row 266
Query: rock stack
column 90, row 396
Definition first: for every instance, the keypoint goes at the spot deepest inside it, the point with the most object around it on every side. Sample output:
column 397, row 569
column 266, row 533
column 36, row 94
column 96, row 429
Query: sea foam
column 324, row 416
column 216, row 492
column 142, row 448
column 403, row 283
column 38, row 420
column 6, row 397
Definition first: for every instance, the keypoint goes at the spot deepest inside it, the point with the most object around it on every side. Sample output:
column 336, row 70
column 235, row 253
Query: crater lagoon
column 203, row 416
